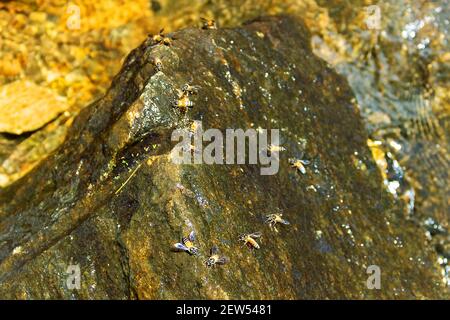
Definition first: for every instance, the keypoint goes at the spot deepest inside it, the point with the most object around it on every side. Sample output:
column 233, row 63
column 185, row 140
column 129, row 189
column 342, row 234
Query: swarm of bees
column 208, row 24
column 249, row 239
column 162, row 39
column 215, row 259
column 299, row 164
column 187, row 245
column 183, row 103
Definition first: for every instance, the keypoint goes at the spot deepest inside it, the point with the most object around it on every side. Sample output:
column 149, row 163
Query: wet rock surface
column 109, row 198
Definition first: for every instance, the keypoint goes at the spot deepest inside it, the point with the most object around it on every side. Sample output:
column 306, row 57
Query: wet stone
column 111, row 201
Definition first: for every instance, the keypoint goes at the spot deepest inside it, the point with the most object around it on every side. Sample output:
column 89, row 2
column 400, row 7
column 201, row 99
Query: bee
column 188, row 89
column 273, row 219
column 158, row 64
column 208, row 24
column 162, row 39
column 187, row 244
column 275, row 148
column 183, row 103
column 299, row 164
column 185, row 191
column 215, row 258
column 250, row 239
column 194, row 126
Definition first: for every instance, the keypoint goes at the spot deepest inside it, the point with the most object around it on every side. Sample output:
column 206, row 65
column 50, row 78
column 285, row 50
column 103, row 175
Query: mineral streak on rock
column 108, row 198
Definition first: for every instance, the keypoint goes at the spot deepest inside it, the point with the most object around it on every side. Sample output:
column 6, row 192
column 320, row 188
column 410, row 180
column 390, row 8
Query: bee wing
column 223, row 260
column 180, row 247
column 214, row 250
column 285, row 222
column 256, row 235
column 302, row 169
column 192, row 236
column 305, row 162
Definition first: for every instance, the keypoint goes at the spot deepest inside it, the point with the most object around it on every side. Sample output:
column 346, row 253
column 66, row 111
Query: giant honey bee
column 250, row 239
column 215, row 258
column 183, row 103
column 275, row 148
column 189, row 89
column 273, row 219
column 187, row 244
column 162, row 39
column 194, row 127
column 208, row 24
column 185, row 191
column 299, row 164
column 157, row 63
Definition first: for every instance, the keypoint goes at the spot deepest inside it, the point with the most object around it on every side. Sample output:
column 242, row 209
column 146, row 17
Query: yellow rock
column 38, row 16
column 26, row 107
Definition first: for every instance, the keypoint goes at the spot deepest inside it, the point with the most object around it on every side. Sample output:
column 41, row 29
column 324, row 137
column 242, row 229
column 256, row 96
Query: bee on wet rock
column 250, row 239
column 273, row 219
column 208, row 24
column 162, row 39
column 183, row 103
column 187, row 244
column 299, row 164
column 275, row 148
column 215, row 258
column 185, row 191
column 194, row 127
column 188, row 89
column 158, row 64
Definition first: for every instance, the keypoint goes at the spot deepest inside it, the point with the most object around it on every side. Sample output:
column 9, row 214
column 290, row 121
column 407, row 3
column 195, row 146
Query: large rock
column 109, row 199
